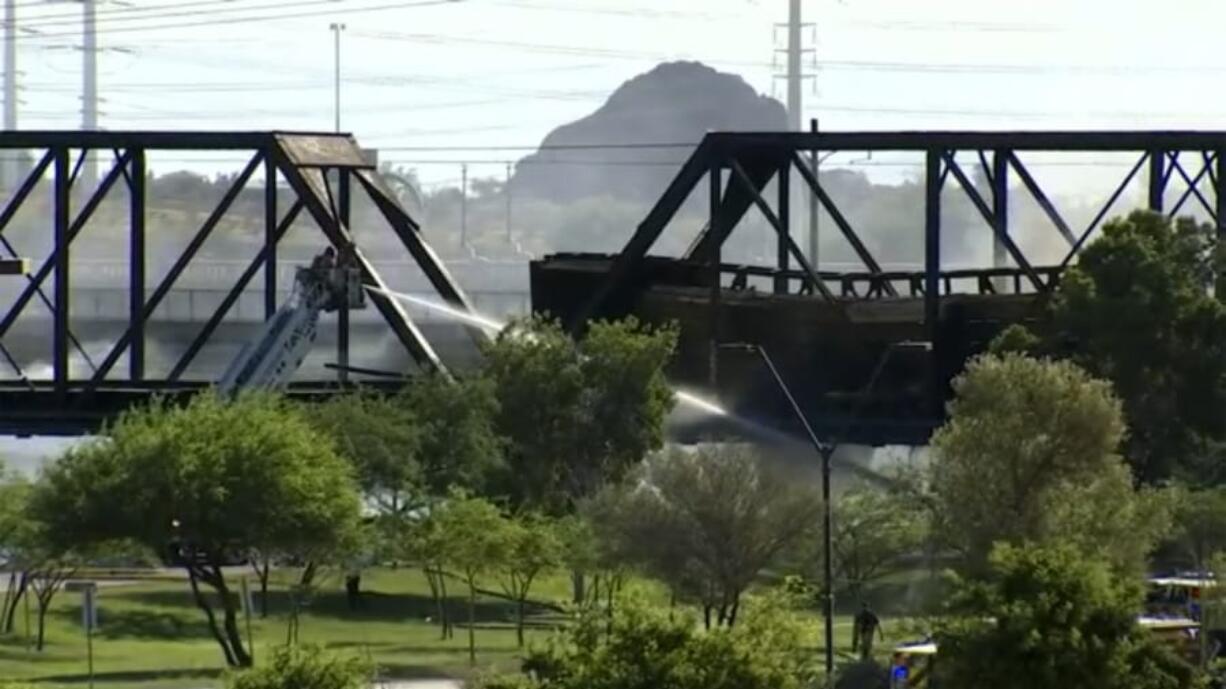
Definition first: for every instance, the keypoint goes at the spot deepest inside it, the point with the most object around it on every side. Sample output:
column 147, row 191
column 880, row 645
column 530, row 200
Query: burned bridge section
column 90, row 193
column 869, row 350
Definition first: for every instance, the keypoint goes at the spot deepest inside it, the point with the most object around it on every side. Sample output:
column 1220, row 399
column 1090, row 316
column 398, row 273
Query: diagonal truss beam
column 648, row 231
column 311, row 187
column 1193, row 184
column 57, row 255
column 411, row 237
column 1103, row 212
column 1040, row 198
column 232, row 296
column 177, row 269
column 861, row 250
column 815, row 281
column 734, row 204
column 990, row 217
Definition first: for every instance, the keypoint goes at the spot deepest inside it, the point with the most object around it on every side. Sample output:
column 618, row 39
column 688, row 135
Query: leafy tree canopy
column 1048, row 617
column 577, row 415
column 1029, row 454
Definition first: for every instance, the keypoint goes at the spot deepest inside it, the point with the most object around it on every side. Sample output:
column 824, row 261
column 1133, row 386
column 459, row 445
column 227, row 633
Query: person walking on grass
column 863, row 628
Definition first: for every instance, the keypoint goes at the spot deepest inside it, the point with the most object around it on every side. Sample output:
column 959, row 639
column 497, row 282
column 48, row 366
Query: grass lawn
column 152, row 636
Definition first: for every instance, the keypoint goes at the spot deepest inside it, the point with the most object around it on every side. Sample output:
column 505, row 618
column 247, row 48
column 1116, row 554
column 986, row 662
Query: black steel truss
column 751, row 160
column 318, row 168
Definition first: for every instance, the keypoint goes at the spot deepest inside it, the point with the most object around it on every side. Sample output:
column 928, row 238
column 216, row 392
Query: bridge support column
column 1000, row 212
column 932, row 273
column 1219, row 203
column 1157, row 179
column 785, row 221
column 59, row 336
column 136, row 266
column 270, row 237
column 342, row 313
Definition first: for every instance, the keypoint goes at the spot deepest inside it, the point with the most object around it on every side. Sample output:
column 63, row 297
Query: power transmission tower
column 794, row 75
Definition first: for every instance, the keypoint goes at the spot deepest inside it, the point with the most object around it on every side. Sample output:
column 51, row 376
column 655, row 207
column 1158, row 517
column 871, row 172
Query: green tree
column 205, row 481
column 457, row 441
column 1200, row 523
column 708, row 522
column 533, row 548
column 1029, row 454
column 477, row 544
column 15, row 526
column 422, row 542
column 577, row 415
column 1136, row 310
column 647, row 648
column 1049, row 617
column 874, row 532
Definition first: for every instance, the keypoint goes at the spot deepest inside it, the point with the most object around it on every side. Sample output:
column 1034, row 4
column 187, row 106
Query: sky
column 432, row 83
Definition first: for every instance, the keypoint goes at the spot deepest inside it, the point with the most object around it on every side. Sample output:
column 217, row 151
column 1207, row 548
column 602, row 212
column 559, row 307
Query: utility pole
column 814, row 249
column 794, row 75
column 10, row 163
column 89, row 84
column 337, row 28
column 507, row 191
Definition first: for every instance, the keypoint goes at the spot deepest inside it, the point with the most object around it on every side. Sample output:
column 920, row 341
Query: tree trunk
column 438, row 600
column 229, row 606
column 472, row 621
column 448, row 629
column 262, row 564
column 578, row 587
column 23, row 583
column 519, row 621
column 736, row 605
column 42, row 624
column 203, row 604
column 706, row 616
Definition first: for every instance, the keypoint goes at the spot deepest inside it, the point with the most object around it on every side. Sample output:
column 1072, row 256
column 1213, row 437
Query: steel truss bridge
column 832, row 342
column 815, row 313
column 323, row 171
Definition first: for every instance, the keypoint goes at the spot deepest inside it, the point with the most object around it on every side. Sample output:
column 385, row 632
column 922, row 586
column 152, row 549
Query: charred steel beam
column 180, row 264
column 998, row 177
column 1040, row 197
column 310, row 186
column 27, row 186
column 136, row 264
column 716, row 222
column 14, row 266
column 410, row 235
column 1001, row 233
column 1219, row 200
column 1102, row 213
column 789, row 242
column 734, row 203
column 861, row 250
column 232, row 296
column 646, row 234
column 219, row 141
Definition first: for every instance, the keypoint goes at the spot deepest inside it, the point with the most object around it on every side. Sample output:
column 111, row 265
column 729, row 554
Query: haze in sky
column 434, row 83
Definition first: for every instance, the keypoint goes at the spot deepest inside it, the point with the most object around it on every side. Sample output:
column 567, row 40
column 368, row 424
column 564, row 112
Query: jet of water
column 683, row 397
column 445, row 309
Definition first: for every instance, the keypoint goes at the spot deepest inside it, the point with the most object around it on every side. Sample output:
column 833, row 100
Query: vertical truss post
column 716, row 225
column 932, row 269
column 342, row 313
column 1157, row 179
column 59, row 337
column 1219, row 202
column 1000, row 210
column 270, row 237
column 785, row 221
column 136, row 266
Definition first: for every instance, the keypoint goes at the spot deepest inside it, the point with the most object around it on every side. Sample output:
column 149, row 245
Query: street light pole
column 825, row 450
column 336, row 28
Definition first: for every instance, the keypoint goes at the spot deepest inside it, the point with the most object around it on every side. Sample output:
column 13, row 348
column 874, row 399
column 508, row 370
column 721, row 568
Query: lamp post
column 825, row 450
